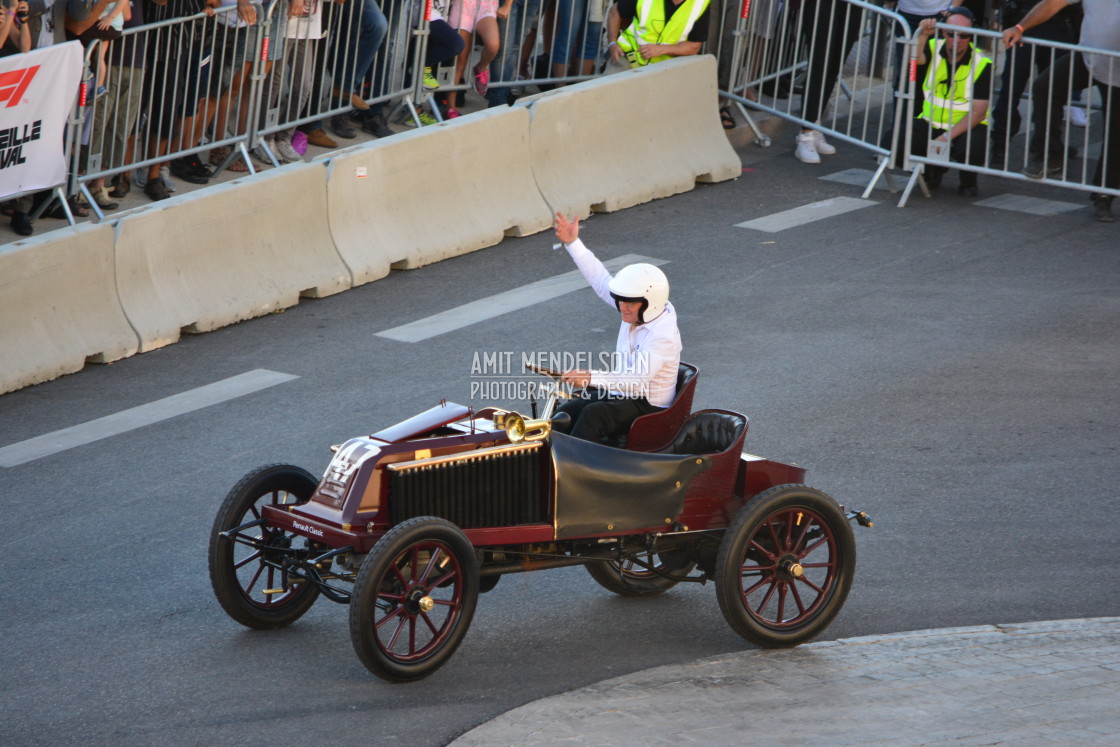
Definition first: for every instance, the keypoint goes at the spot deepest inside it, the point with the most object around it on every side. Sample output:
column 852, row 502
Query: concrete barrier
column 59, row 307
column 624, row 139
column 438, row 192
column 227, row 253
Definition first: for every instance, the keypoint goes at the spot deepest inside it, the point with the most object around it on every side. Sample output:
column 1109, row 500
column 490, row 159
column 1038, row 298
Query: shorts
column 465, row 13
column 179, row 79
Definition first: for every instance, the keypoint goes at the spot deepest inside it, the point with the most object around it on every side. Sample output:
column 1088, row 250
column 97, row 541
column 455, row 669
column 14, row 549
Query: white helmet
column 642, row 283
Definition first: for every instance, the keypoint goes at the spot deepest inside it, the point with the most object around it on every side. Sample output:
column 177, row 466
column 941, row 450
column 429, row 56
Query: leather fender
column 601, row 489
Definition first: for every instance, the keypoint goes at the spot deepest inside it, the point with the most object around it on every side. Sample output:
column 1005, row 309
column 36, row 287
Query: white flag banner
column 37, row 90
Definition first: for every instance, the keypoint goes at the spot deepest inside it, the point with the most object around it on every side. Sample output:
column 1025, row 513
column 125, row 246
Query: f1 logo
column 14, row 83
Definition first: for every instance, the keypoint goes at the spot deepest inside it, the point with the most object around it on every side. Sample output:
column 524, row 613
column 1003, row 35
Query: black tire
column 630, row 580
column 406, row 622
column 785, row 566
column 238, row 572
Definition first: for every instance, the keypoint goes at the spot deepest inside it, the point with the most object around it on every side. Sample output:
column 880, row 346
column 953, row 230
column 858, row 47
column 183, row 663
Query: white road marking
column 502, row 303
column 138, row 417
column 1030, row 205
column 861, row 177
column 799, row 216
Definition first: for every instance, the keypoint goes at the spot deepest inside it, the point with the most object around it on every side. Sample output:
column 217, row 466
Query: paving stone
column 1051, row 682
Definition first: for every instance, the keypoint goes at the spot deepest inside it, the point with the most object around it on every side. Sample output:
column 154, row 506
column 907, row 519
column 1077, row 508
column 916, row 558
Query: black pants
column 971, row 147
column 833, row 28
column 598, row 415
column 1068, row 75
column 1006, row 119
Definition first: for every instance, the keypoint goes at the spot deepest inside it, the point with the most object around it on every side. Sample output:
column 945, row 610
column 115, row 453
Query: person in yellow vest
column 954, row 90
column 646, row 31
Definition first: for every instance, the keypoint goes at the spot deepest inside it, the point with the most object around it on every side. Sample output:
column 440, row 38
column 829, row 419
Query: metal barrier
column 210, row 82
column 1050, row 149
column 335, row 55
column 170, row 83
column 809, row 52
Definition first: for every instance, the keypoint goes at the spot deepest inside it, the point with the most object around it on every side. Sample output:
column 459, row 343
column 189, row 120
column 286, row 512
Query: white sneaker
column 1076, row 116
column 807, row 148
column 283, row 149
column 823, row 146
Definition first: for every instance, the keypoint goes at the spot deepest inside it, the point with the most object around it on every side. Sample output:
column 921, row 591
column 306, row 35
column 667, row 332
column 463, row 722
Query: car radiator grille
column 503, row 486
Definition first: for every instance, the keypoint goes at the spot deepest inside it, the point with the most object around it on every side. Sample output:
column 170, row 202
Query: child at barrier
column 955, row 88
column 111, row 25
column 471, row 17
column 515, row 17
column 1052, row 90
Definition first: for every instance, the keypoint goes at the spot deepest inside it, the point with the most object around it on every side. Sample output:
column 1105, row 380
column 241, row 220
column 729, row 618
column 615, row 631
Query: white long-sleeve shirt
column 646, row 355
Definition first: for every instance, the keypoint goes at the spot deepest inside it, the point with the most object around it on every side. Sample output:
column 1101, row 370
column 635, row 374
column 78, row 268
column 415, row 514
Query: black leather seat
column 707, row 432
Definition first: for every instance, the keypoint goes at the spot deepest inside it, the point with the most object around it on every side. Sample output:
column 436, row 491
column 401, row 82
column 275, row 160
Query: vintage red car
column 410, row 524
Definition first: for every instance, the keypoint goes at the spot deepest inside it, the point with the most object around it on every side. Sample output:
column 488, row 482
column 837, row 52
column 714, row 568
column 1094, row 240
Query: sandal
column 219, row 154
column 77, row 209
column 726, row 119
column 122, row 185
column 238, row 166
column 101, row 197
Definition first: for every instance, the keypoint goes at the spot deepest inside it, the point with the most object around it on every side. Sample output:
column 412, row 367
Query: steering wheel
column 558, row 387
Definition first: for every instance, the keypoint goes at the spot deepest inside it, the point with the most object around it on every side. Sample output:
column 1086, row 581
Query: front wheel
column 785, row 566
column 249, row 570
column 414, row 599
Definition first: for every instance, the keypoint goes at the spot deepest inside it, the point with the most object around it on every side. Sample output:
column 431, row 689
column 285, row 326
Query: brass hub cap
column 790, row 568
column 418, row 601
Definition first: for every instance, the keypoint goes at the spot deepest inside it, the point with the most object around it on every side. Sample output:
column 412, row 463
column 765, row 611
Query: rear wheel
column 414, row 599
column 248, row 570
column 785, row 566
column 630, row 578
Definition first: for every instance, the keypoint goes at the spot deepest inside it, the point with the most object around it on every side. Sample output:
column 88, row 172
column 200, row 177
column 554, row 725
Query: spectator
column 362, row 32
column 956, row 87
column 109, row 28
column 568, row 19
column 1100, row 29
column 832, row 32
column 444, row 45
column 178, row 91
column 471, row 17
column 15, row 33
column 1017, row 65
column 290, row 85
column 15, row 38
column 515, row 17
column 117, row 117
column 241, row 54
column 646, row 31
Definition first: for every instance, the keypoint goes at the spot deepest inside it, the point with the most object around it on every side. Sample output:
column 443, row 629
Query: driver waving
column 643, row 375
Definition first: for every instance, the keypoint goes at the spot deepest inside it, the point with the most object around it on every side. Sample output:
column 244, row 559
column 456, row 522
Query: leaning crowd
column 174, row 86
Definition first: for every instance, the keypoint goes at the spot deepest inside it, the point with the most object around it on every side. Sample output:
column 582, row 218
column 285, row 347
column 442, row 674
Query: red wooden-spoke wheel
column 247, row 570
column 414, row 599
column 785, row 566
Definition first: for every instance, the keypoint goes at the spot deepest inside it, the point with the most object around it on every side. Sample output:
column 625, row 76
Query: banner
column 37, row 91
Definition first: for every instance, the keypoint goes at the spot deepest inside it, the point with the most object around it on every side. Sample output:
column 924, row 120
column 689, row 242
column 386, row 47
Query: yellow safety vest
column 649, row 27
column 944, row 111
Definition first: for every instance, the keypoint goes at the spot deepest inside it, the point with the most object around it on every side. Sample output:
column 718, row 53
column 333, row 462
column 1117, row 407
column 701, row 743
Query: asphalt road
column 947, row 367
